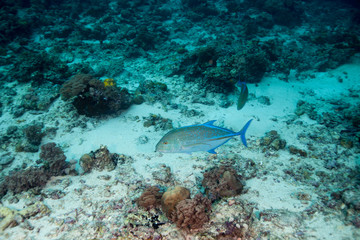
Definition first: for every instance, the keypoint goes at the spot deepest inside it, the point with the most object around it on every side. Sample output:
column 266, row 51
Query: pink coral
column 192, row 214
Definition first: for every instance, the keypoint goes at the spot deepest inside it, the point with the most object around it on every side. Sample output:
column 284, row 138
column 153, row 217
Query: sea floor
column 289, row 192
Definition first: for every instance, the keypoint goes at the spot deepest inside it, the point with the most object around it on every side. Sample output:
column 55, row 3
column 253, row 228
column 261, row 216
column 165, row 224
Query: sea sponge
column 222, row 182
column 172, row 197
column 150, row 198
column 109, row 82
column 192, row 214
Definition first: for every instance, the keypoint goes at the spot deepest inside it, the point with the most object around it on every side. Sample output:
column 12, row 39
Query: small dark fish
column 244, row 92
column 195, row 138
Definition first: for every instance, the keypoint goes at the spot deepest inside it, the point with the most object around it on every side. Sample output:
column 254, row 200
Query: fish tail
column 243, row 131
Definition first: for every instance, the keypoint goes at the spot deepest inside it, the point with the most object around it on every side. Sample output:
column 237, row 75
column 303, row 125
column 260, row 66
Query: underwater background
column 90, row 89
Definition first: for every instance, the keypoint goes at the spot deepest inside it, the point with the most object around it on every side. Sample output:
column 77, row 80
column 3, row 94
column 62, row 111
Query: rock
column 86, row 162
column 6, row 158
column 264, row 100
column 352, row 198
column 272, row 140
column 346, row 143
column 143, row 139
column 162, row 174
column 296, row 151
column 100, row 160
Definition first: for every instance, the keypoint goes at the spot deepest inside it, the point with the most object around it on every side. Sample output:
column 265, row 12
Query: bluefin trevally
column 244, row 92
column 196, row 138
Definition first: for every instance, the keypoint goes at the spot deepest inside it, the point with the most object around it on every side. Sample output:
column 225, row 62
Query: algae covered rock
column 152, row 91
column 220, row 182
column 100, row 160
column 273, row 141
column 12, row 218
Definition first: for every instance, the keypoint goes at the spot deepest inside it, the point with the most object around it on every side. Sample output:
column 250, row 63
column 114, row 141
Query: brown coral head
column 75, row 85
column 222, row 182
column 172, row 197
column 150, row 198
column 192, row 214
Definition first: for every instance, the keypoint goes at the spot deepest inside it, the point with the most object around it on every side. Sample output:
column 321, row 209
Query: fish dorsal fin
column 210, row 123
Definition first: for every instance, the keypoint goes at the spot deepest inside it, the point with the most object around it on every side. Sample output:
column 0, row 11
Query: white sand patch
column 274, row 193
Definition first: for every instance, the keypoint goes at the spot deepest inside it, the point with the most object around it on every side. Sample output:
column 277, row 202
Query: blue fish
column 244, row 92
column 195, row 138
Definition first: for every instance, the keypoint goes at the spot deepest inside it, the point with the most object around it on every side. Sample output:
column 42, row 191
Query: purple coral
column 24, row 180
column 55, row 159
column 36, row 177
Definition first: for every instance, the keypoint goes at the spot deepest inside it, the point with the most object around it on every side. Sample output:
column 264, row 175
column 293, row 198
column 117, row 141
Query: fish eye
column 165, row 142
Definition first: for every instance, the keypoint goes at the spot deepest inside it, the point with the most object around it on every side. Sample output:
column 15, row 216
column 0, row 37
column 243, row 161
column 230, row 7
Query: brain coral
column 172, row 197
column 150, row 198
column 75, row 85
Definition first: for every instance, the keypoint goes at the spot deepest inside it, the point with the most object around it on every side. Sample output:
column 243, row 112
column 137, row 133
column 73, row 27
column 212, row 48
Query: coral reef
column 220, row 182
column 91, row 97
column 100, row 160
column 24, row 180
column 192, row 214
column 172, row 197
column 150, row 198
column 54, row 159
column 39, row 98
column 34, row 134
column 54, row 164
column 39, row 68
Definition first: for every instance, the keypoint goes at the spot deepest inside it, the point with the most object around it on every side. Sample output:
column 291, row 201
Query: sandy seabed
column 98, row 205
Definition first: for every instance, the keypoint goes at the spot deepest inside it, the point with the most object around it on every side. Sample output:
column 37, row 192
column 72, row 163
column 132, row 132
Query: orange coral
column 172, row 197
